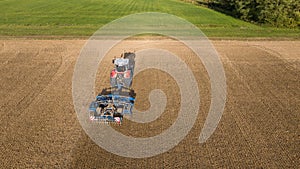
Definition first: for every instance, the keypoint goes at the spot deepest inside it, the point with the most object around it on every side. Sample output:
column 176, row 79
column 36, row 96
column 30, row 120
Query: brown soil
column 259, row 127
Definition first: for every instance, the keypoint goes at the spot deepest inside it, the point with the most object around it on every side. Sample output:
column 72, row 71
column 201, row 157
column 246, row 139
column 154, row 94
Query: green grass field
column 84, row 17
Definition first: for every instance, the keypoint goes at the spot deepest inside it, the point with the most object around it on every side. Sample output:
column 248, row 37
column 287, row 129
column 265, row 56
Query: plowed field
column 259, row 127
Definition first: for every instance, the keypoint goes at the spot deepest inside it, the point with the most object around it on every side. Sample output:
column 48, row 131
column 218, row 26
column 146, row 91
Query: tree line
column 279, row 13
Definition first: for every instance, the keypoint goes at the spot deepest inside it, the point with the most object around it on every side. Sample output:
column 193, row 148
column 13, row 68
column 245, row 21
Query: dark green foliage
column 279, row 13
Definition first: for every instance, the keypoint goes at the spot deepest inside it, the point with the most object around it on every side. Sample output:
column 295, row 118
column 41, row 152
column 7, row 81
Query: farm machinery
column 118, row 100
column 122, row 74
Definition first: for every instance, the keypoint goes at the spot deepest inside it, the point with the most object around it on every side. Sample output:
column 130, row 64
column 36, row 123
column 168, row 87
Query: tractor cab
column 121, row 65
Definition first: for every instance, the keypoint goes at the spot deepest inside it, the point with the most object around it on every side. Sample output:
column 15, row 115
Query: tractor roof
column 121, row 61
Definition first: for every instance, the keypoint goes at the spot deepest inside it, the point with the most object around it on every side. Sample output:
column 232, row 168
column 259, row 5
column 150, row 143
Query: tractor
column 122, row 74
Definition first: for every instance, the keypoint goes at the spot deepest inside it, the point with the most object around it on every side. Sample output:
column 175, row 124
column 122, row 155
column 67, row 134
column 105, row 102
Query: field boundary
column 45, row 37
